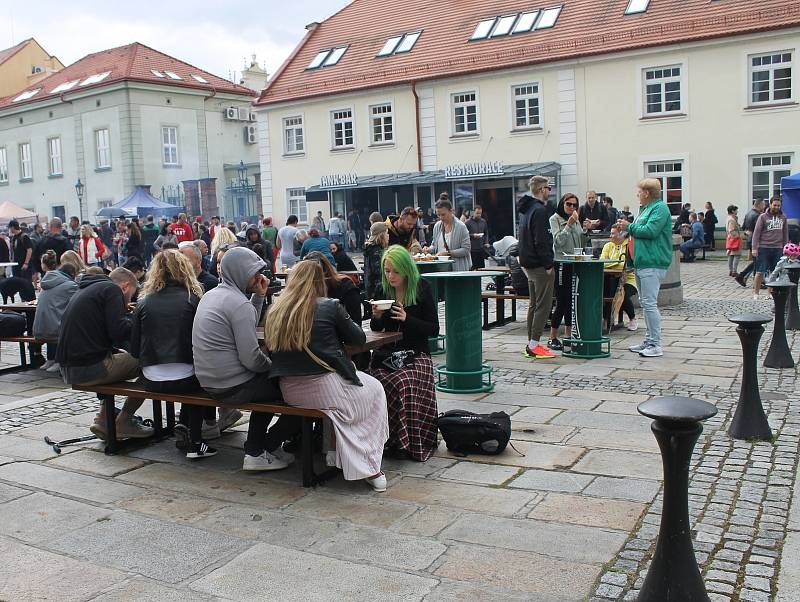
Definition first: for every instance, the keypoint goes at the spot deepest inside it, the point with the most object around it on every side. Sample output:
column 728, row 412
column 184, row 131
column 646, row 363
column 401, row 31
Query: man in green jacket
column 652, row 256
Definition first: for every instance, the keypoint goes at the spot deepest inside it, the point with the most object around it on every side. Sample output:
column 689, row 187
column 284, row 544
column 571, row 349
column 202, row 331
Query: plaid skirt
column 411, row 401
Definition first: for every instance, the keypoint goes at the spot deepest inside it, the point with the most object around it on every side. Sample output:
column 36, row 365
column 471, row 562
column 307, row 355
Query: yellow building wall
column 16, row 73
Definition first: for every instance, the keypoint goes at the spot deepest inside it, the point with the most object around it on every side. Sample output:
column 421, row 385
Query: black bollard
column 673, row 575
column 749, row 420
column 793, row 317
column 779, row 354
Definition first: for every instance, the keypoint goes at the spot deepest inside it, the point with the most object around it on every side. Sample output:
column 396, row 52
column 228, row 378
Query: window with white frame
column 465, row 113
column 102, row 144
column 54, row 150
column 169, row 145
column 25, row 164
column 101, row 203
column 3, row 165
column 381, row 123
column 342, row 124
column 670, row 174
column 293, row 138
column 526, row 106
column 662, row 90
column 296, row 203
column 770, row 77
column 766, row 172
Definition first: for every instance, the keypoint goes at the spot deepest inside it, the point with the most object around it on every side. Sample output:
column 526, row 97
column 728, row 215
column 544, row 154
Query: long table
column 375, row 340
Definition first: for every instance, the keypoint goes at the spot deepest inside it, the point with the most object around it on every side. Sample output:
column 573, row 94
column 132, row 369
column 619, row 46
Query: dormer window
column 505, row 25
column 548, row 18
column 26, row 95
column 96, row 78
column 327, row 57
column 65, row 86
column 172, row 75
column 157, row 73
column 200, row 79
column 400, row 44
column 636, row 6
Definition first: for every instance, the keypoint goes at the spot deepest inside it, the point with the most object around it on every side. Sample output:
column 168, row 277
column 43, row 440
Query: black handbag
column 12, row 324
column 469, row 433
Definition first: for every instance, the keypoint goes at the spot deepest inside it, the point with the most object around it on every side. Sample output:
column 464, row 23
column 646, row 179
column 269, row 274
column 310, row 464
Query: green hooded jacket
column 652, row 235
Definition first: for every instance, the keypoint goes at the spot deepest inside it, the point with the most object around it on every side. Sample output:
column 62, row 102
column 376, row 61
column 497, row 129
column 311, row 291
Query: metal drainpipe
column 416, row 117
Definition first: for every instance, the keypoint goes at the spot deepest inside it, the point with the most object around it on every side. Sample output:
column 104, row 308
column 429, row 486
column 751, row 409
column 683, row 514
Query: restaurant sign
column 339, row 180
column 483, row 168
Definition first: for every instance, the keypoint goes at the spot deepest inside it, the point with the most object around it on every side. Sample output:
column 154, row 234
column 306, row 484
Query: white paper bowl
column 382, row 304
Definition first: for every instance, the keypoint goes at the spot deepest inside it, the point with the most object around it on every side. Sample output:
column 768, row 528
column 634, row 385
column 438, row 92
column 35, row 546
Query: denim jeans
column 648, row 280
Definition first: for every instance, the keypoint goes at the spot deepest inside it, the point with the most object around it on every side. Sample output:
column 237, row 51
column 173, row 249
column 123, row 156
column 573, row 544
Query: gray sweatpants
column 540, row 289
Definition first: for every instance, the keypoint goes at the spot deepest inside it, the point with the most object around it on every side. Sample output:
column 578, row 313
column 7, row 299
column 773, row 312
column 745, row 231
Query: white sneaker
column 283, row 455
column 755, row 297
column 266, row 461
column 46, row 365
column 651, row 351
column 633, row 325
column 228, row 417
column 638, row 348
column 378, row 483
column 54, row 368
column 330, row 459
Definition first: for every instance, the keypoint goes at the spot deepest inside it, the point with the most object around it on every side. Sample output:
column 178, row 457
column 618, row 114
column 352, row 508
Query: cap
column 378, row 228
column 13, row 224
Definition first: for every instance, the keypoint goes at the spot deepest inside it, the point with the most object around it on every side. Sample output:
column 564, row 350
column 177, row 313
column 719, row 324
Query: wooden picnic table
column 500, row 273
column 21, row 306
column 375, row 340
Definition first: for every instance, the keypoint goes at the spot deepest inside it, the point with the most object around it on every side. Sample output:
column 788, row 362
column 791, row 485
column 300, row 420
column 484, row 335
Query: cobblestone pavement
column 574, row 518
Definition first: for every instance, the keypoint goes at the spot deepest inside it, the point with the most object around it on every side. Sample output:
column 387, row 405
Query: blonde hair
column 291, row 317
column 222, row 236
column 651, row 186
column 72, row 258
column 168, row 267
column 537, row 183
column 89, row 229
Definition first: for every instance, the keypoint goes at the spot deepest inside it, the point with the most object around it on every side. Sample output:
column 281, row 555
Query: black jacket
column 373, row 253
column 347, row 293
column 343, row 262
column 94, row 323
column 331, row 330
column 535, row 239
column 207, row 281
column 57, row 242
column 593, row 213
column 422, row 321
column 162, row 327
column 266, row 246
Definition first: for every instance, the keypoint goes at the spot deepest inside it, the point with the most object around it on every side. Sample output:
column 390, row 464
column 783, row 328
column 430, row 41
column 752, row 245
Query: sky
column 218, row 36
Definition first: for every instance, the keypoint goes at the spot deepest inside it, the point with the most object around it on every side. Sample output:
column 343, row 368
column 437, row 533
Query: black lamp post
column 242, row 174
column 79, row 188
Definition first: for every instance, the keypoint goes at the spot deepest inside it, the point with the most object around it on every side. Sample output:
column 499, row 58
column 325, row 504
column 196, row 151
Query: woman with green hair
column 405, row 370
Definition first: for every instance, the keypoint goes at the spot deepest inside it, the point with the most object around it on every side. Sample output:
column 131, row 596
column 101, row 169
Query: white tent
column 9, row 211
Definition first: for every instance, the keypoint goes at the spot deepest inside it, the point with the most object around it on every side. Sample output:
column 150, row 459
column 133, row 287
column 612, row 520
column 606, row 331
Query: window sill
column 662, row 117
column 465, row 137
column 294, row 155
column 767, row 106
column 171, row 165
column 381, row 145
column 343, row 149
column 523, row 131
column 55, row 176
column 25, row 180
column 102, row 169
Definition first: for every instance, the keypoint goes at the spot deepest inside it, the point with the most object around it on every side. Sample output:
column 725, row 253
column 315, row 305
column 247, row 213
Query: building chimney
column 312, row 26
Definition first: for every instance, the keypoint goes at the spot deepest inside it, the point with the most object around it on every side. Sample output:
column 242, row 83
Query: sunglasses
column 570, row 204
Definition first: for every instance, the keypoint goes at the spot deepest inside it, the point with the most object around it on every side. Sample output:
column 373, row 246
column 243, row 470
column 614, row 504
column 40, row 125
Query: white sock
column 533, row 343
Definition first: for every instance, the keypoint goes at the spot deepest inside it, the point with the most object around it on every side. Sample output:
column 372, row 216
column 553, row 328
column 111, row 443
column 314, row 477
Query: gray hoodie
column 57, row 290
column 224, row 342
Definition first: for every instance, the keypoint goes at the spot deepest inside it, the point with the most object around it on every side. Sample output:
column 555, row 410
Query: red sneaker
column 539, row 352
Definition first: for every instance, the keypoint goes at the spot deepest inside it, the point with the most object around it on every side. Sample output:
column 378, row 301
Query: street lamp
column 242, row 174
column 79, row 188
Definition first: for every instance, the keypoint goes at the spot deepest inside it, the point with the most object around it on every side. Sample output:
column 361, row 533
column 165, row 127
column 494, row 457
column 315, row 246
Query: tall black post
column 779, row 354
column 749, row 420
column 673, row 575
column 793, row 317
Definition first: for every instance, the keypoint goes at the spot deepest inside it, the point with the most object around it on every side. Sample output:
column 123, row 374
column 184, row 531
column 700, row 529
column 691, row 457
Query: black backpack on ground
column 12, row 324
column 468, row 433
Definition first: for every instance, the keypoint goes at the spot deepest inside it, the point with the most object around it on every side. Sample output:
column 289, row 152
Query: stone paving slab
column 592, row 512
column 536, row 455
column 96, row 462
column 603, row 438
column 40, row 517
column 549, row 480
column 139, row 588
column 620, row 463
column 267, row 572
column 9, row 492
column 23, row 448
column 483, row 474
column 361, row 510
column 172, row 506
column 141, row 545
column 636, row 490
column 67, row 483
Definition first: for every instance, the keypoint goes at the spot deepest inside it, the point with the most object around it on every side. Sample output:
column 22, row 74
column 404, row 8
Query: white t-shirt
column 286, row 236
column 164, row 372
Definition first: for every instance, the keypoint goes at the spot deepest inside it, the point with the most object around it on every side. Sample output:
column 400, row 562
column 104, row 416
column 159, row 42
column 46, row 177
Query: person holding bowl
column 405, row 369
column 450, row 237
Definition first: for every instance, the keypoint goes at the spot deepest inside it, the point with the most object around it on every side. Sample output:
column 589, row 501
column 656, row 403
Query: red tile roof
column 584, row 28
column 127, row 63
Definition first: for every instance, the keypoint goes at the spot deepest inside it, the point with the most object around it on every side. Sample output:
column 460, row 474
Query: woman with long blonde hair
column 223, row 236
column 161, row 339
column 73, row 259
column 90, row 247
column 306, row 334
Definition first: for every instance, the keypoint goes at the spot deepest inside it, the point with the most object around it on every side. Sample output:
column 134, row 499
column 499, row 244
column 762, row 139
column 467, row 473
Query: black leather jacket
column 332, row 329
column 162, row 327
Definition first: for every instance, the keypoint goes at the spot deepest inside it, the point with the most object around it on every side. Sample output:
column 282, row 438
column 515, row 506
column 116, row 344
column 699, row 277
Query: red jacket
column 88, row 257
column 183, row 232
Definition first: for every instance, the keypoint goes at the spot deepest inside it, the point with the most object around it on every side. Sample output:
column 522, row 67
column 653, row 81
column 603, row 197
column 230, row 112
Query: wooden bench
column 106, row 394
column 23, row 358
column 500, row 299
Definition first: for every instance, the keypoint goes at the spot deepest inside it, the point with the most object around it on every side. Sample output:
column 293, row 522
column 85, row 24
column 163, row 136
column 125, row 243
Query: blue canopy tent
column 790, row 195
column 141, row 202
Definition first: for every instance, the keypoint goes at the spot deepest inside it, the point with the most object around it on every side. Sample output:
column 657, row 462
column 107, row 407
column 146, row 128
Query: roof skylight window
column 334, row 57
column 389, row 46
column 408, row 42
column 321, row 56
column 636, row 6
column 96, row 78
column 65, row 86
column 157, row 73
column 525, row 22
column 26, row 95
column 548, row 18
column 200, row 79
column 503, row 26
column 172, row 75
column 483, row 29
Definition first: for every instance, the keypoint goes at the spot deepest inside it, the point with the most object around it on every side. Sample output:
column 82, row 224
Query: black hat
column 13, row 224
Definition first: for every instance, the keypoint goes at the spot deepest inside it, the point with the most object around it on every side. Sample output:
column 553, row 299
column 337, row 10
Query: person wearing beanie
column 373, row 252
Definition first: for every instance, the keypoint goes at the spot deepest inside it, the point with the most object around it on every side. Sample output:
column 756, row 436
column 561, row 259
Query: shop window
column 770, row 78
column 526, row 106
column 464, row 113
column 766, row 172
column 382, row 123
column 662, row 91
column 670, row 174
column 342, row 126
column 296, row 204
column 293, row 137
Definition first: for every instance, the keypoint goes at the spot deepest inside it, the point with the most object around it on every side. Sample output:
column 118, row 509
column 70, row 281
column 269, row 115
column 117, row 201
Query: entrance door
column 498, row 210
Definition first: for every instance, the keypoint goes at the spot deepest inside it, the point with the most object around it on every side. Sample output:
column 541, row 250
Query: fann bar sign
column 339, row 180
